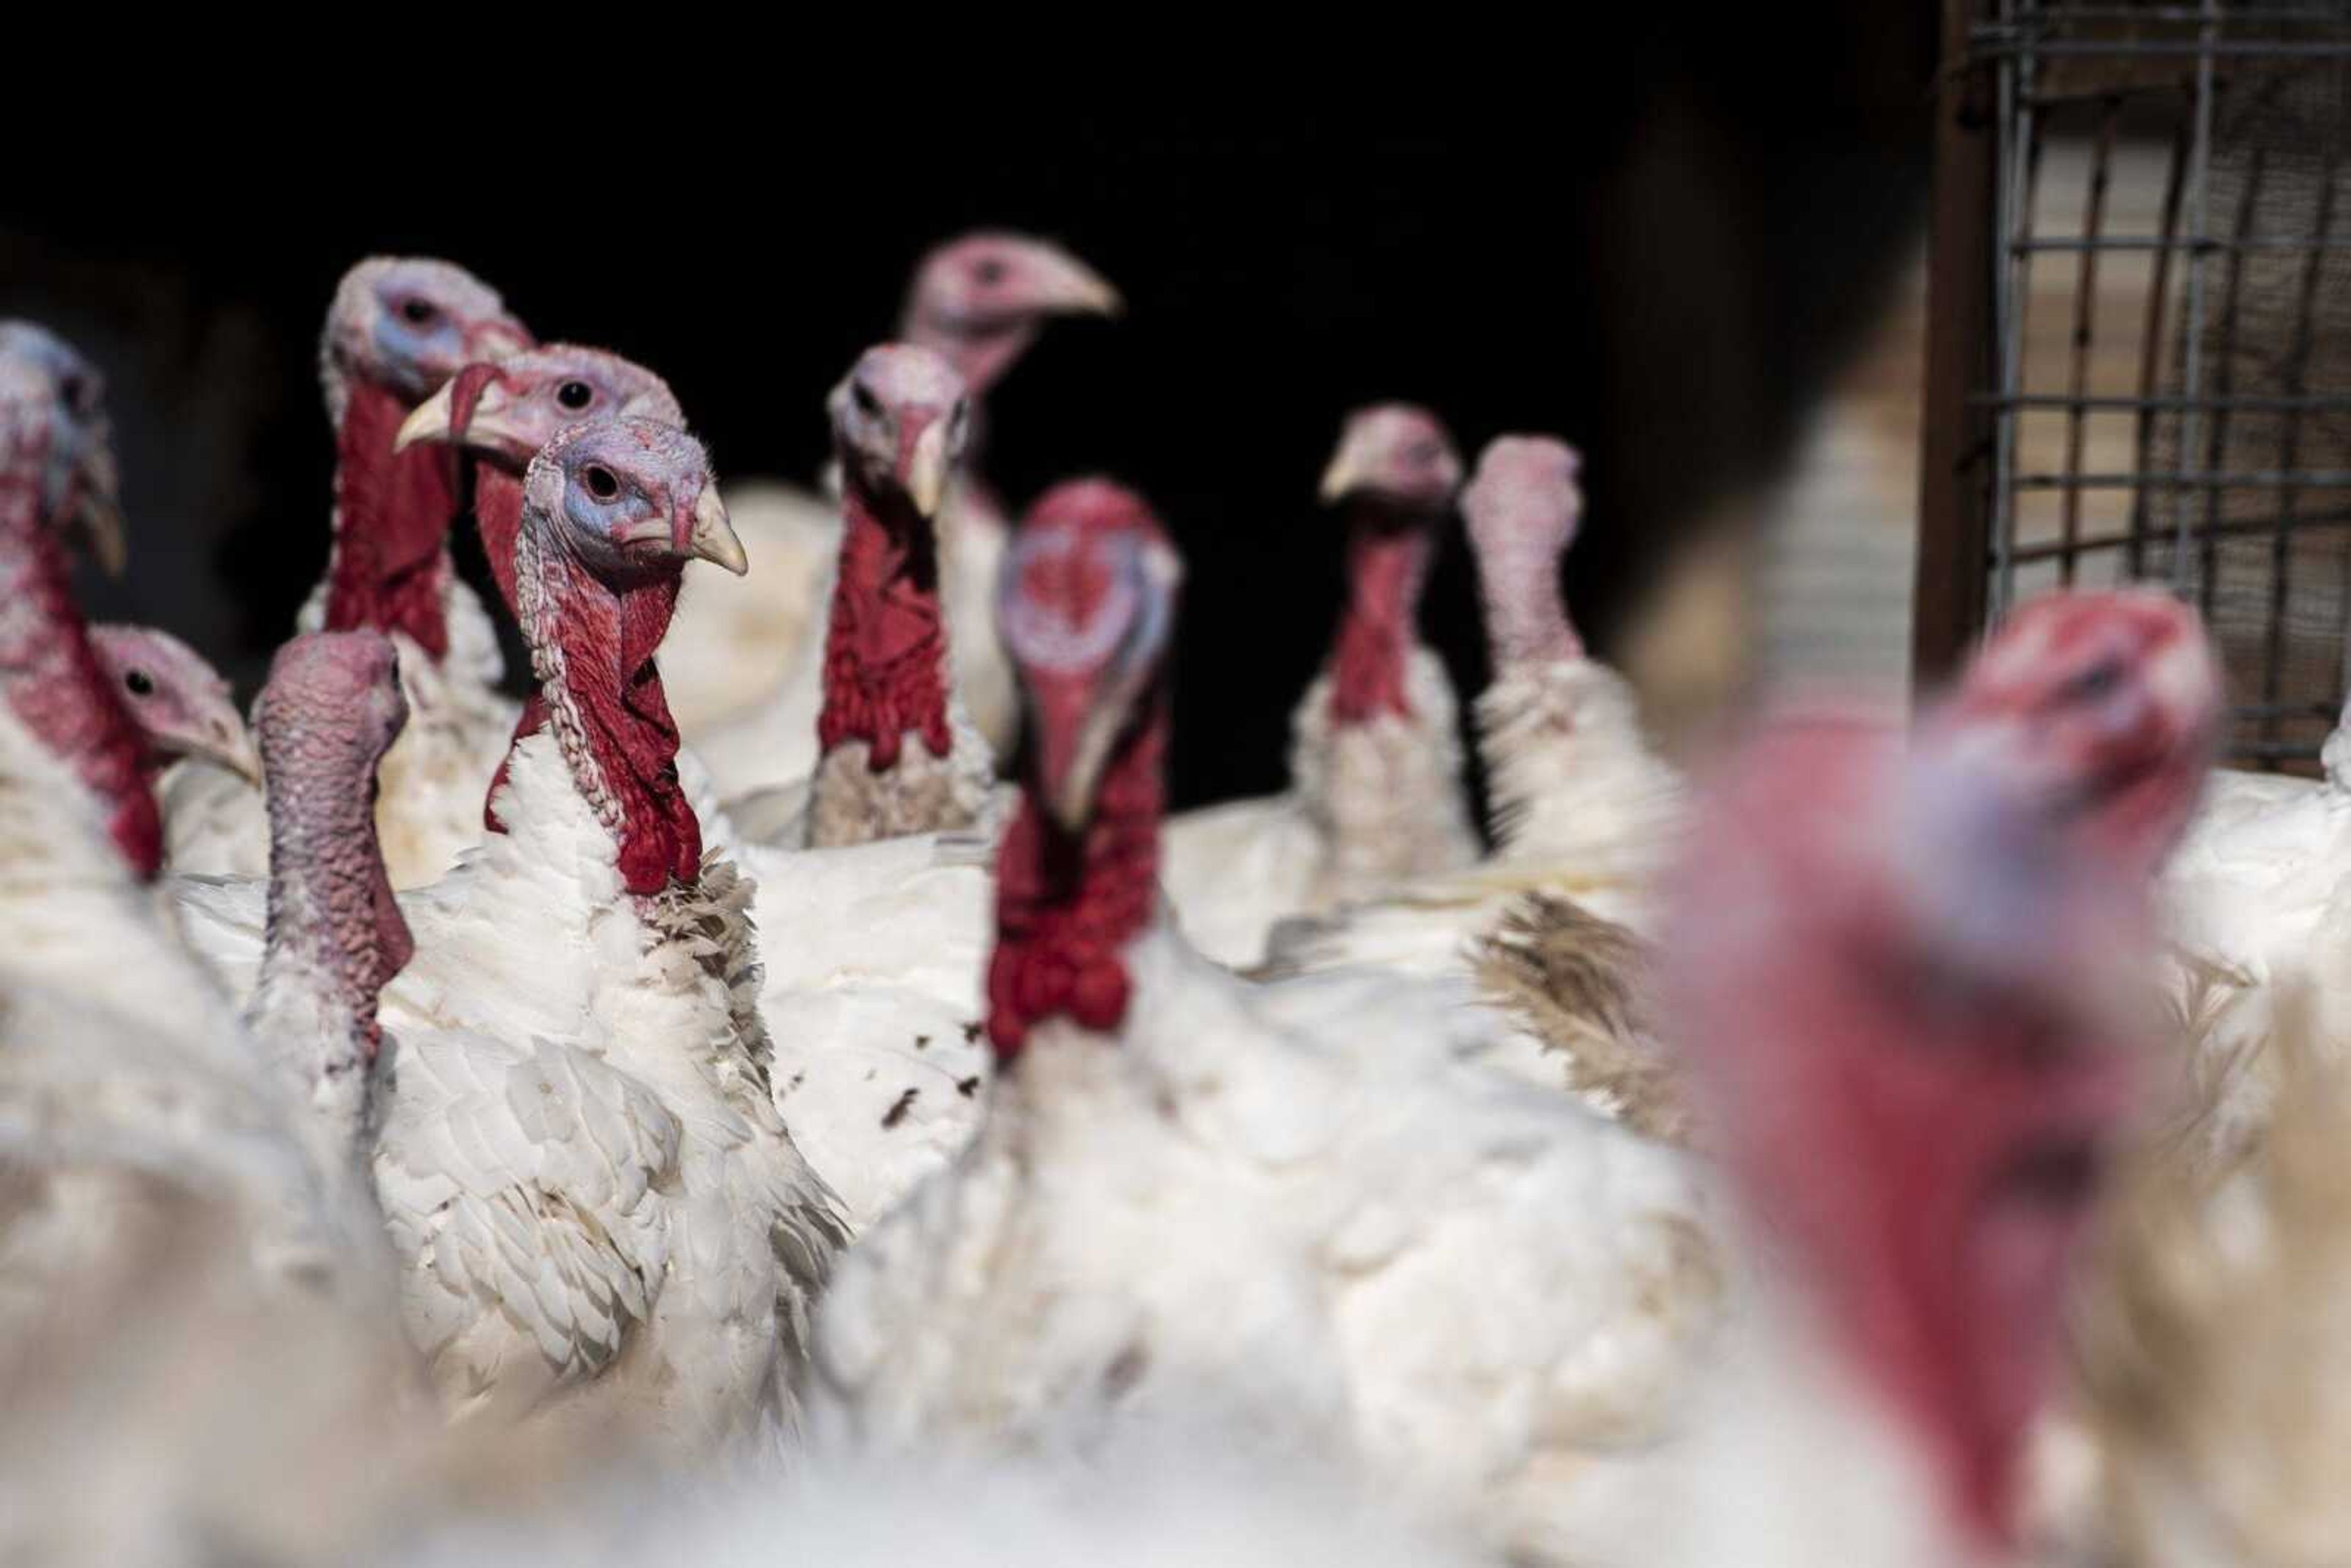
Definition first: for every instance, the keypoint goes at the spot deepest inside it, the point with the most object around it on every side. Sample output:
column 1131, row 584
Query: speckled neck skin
column 48, row 675
column 391, row 521
column 332, row 917
column 885, row 646
column 591, row 646
column 1067, row 907
column 1387, row 561
column 1517, row 583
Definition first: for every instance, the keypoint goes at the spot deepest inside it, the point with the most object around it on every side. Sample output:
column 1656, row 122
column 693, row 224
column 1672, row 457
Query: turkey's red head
column 506, row 410
column 398, row 329
column 1085, row 606
column 404, row 325
column 1395, row 470
column 2110, row 705
column 183, row 707
column 611, row 513
column 1522, row 510
column 79, row 487
column 1896, row 983
column 331, row 709
column 978, row 300
column 899, row 419
column 52, row 467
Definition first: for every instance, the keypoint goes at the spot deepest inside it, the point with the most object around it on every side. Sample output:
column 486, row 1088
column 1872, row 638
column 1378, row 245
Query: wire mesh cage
column 2140, row 364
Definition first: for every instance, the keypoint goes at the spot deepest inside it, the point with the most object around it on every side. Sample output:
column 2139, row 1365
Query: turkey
column 978, row 302
column 877, row 742
column 596, row 1209
column 1186, row 1204
column 1902, row 986
column 57, row 485
column 2253, row 896
column 1376, row 762
column 130, row 1095
column 181, row 706
column 1584, row 810
column 397, row 329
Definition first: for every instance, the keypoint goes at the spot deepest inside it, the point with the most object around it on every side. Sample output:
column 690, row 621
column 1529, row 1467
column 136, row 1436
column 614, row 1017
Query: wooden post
column 1955, row 450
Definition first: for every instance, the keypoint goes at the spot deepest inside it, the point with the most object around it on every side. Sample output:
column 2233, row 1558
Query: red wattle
column 1066, row 910
column 52, row 680
column 391, row 521
column 498, row 515
column 611, row 683
column 1371, row 656
column 885, row 645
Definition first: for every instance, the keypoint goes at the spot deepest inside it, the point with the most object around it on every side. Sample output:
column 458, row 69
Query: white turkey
column 747, row 653
column 1376, row 762
column 129, row 1091
column 183, row 707
column 1903, row 987
column 879, row 743
column 597, row 1212
column 397, row 329
column 1191, row 1202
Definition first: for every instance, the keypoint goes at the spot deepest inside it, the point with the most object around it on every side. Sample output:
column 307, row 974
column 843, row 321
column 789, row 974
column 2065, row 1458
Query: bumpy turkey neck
column 392, row 525
column 1387, row 560
column 1067, row 907
column 334, row 924
column 591, row 646
column 885, row 647
column 48, row 675
column 1526, row 618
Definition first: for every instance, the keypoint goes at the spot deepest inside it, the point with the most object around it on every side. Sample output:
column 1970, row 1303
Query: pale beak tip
column 715, row 540
column 428, row 421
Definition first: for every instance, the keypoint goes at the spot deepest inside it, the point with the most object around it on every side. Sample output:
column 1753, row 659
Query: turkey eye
column 990, row 271
column 137, row 680
column 77, row 393
column 574, row 395
column 867, row 403
column 601, row 482
column 418, row 312
column 2097, row 682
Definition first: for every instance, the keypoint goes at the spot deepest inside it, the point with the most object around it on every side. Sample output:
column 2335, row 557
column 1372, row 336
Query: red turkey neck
column 392, row 525
column 498, row 515
column 1387, row 559
column 1066, row 907
column 592, row 648
column 53, row 680
column 885, row 646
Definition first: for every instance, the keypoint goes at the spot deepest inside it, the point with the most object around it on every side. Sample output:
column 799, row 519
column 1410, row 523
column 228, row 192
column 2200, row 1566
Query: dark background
column 1660, row 251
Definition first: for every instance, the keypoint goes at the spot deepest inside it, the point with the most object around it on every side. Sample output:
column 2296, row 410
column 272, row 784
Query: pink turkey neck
column 329, row 896
column 1526, row 619
column 1387, row 559
column 1066, row 908
column 885, row 646
column 52, row 680
column 607, row 683
column 392, row 523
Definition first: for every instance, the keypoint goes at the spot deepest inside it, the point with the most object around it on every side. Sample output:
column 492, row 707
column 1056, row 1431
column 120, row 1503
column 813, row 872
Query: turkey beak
column 1349, row 470
column 472, row 408
column 431, row 421
column 1075, row 726
column 924, row 467
column 1068, row 286
column 224, row 740
column 103, row 531
column 708, row 535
